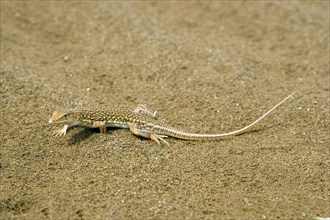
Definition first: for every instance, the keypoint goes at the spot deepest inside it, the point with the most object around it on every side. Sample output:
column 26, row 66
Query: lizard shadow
column 82, row 135
column 86, row 133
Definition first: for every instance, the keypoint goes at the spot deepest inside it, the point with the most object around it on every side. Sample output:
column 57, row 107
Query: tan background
column 206, row 67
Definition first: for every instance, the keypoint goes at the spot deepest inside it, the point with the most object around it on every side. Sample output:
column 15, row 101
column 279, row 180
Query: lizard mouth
column 52, row 121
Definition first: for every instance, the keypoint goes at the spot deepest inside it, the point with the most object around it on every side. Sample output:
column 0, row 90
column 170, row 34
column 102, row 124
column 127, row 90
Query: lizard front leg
column 62, row 131
column 65, row 128
column 101, row 125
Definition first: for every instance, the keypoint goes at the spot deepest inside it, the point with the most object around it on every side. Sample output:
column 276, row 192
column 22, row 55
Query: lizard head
column 62, row 115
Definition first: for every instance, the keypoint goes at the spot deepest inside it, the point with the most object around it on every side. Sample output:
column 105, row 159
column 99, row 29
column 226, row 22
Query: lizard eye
column 65, row 116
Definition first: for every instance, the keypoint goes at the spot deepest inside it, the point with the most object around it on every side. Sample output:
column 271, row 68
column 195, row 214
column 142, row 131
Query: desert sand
column 209, row 67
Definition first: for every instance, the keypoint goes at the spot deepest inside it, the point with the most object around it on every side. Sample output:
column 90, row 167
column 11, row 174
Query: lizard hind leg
column 142, row 110
column 157, row 137
column 146, row 134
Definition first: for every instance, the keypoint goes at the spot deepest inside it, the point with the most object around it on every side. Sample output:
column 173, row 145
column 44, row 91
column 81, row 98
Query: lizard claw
column 61, row 132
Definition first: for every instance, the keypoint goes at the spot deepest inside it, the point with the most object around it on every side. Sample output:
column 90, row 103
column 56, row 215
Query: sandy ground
column 205, row 67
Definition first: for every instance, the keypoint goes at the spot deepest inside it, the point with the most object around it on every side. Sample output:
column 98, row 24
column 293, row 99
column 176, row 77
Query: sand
column 205, row 67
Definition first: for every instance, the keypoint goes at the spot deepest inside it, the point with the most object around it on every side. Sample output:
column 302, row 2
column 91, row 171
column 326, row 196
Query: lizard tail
column 169, row 131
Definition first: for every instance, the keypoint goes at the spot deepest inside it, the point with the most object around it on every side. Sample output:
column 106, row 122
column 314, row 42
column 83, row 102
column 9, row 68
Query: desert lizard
column 141, row 122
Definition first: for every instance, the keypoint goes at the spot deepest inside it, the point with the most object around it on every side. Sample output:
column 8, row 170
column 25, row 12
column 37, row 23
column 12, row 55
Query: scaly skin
column 141, row 122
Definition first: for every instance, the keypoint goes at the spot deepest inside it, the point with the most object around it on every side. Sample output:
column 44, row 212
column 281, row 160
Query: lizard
column 141, row 122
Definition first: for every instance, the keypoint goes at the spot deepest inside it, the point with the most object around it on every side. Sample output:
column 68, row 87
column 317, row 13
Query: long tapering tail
column 169, row 131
